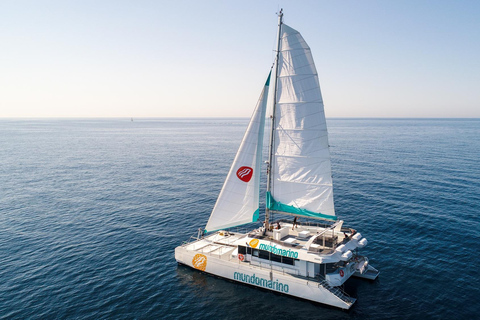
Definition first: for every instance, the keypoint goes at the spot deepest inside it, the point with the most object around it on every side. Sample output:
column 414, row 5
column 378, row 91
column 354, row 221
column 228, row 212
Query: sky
column 375, row 58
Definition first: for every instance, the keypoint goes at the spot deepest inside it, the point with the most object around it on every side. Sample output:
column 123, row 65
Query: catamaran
column 311, row 255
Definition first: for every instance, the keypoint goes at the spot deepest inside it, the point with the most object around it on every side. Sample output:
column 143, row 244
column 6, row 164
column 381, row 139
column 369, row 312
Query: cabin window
column 323, row 269
column 330, row 267
column 288, row 260
column 242, row 250
column 276, row 258
column 264, row 255
column 249, row 250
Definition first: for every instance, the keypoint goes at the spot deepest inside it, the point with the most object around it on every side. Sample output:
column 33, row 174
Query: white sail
column 238, row 202
column 301, row 170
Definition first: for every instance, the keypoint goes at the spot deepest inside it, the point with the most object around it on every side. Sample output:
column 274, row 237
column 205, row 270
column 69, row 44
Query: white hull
column 370, row 274
column 223, row 262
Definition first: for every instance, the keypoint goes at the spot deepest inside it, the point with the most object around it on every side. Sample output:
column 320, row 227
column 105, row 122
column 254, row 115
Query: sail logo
column 199, row 262
column 245, row 173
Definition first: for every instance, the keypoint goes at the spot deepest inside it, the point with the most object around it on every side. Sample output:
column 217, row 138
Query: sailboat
column 308, row 253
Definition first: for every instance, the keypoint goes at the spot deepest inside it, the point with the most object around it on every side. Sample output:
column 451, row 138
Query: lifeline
column 270, row 284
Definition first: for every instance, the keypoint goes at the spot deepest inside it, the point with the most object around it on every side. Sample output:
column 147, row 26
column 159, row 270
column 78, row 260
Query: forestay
column 301, row 169
column 238, row 202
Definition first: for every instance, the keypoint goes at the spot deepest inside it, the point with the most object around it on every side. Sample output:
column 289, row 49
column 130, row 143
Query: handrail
column 337, row 291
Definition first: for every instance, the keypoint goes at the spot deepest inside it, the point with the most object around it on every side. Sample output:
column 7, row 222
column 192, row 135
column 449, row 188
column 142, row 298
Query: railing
column 190, row 240
column 309, row 223
column 217, row 252
column 337, row 291
column 270, row 267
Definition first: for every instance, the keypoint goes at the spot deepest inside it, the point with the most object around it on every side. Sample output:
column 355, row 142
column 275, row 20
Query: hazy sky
column 142, row 58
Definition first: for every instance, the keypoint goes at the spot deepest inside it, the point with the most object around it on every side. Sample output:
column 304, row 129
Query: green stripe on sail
column 268, row 79
column 256, row 214
column 278, row 206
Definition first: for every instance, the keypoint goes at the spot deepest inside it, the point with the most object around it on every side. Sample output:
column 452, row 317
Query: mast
column 272, row 132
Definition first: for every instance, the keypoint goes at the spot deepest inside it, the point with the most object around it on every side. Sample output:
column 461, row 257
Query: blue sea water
column 91, row 211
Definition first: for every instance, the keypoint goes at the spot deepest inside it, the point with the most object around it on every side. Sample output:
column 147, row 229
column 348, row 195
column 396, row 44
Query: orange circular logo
column 254, row 243
column 199, row 262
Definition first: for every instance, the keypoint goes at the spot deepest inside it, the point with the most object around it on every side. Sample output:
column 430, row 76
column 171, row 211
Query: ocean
column 91, row 211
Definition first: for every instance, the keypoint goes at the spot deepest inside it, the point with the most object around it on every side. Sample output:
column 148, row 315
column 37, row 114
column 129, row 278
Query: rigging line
column 288, row 106
column 283, row 130
column 315, row 139
column 306, row 76
column 303, row 91
column 310, row 65
column 297, row 49
column 296, row 56
column 316, row 163
column 302, row 102
column 322, row 185
column 289, row 136
column 294, row 34
column 301, row 54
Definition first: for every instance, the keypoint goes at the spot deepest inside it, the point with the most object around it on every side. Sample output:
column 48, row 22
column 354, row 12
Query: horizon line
column 233, row 117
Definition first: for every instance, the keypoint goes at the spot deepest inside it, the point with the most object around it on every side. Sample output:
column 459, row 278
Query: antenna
column 280, row 13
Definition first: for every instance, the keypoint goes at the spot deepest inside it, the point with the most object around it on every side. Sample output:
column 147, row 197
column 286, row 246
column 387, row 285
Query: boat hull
column 246, row 273
column 371, row 274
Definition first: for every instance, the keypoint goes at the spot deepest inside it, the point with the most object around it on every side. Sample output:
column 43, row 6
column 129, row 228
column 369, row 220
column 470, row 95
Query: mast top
column 280, row 15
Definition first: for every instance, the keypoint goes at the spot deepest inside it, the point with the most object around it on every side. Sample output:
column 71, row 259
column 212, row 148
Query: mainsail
column 301, row 179
column 238, row 202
